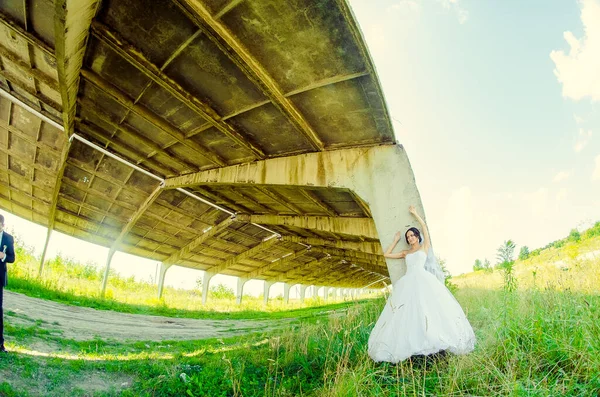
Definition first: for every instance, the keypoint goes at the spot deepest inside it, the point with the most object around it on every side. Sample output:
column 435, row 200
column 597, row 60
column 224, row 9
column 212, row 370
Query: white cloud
column 596, row 173
column 461, row 13
column 578, row 71
column 561, row 176
column 582, row 139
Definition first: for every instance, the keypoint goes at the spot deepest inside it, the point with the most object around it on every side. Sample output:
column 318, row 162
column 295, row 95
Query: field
column 541, row 339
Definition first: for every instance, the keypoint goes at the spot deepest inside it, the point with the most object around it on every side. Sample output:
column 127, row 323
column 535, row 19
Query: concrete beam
column 277, row 262
column 25, row 67
column 188, row 248
column 381, row 176
column 361, row 227
column 371, row 249
column 27, row 36
column 140, row 62
column 112, row 91
column 72, row 19
column 246, row 254
column 317, row 263
column 250, row 66
column 52, row 213
column 134, row 218
column 128, row 131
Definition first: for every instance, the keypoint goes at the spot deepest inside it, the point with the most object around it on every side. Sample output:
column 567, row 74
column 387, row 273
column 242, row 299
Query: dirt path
column 82, row 323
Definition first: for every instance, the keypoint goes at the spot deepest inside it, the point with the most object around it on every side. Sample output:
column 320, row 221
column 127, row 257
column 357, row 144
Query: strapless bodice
column 415, row 260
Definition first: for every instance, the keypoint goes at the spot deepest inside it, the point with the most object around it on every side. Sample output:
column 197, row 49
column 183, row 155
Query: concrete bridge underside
column 246, row 138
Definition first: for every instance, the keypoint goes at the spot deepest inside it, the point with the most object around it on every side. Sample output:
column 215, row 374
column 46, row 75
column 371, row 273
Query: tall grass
column 531, row 343
column 540, row 339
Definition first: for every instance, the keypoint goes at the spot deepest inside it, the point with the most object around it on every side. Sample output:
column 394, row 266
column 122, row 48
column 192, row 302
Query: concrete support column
column 325, row 293
column 302, row 292
column 205, row 285
column 161, row 278
column 240, row 289
column 286, row 292
column 43, row 259
column 109, row 257
column 268, row 285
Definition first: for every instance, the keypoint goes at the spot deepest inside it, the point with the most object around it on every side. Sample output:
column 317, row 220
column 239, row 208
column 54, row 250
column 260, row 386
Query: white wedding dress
column 421, row 317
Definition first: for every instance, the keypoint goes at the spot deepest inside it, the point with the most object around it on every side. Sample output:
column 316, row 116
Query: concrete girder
column 24, row 66
column 130, row 224
column 251, row 67
column 381, row 176
column 30, row 38
column 361, row 227
column 72, row 22
column 246, row 254
column 369, row 249
column 137, row 59
column 185, row 250
column 289, row 275
column 277, row 262
column 149, row 116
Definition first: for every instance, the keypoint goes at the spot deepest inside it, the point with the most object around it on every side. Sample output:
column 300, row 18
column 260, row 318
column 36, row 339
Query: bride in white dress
column 421, row 316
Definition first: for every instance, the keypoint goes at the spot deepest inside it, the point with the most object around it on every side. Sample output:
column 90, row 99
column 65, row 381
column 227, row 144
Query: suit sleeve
column 10, row 250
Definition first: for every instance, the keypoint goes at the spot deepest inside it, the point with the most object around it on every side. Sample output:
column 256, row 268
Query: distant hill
column 571, row 263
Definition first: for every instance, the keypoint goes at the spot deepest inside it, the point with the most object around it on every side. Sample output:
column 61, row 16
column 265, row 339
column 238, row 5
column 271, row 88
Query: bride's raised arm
column 426, row 241
column 388, row 252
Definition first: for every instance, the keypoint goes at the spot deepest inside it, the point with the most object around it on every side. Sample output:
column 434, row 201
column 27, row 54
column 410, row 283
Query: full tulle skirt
column 421, row 317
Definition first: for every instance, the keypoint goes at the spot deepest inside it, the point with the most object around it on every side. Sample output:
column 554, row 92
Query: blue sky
column 498, row 106
column 503, row 136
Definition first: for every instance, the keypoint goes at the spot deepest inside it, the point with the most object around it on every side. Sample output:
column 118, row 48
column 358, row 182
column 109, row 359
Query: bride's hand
column 397, row 236
column 412, row 210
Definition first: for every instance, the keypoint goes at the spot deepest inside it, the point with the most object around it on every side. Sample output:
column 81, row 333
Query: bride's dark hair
column 416, row 232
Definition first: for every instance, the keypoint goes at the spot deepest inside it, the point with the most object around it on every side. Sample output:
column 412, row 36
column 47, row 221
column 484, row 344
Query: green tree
column 449, row 284
column 487, row 266
column 505, row 254
column 221, row 291
column 574, row 236
column 524, row 253
column 478, row 265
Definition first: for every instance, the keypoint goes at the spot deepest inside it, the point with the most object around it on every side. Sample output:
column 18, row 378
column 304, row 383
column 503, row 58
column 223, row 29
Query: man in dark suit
column 7, row 255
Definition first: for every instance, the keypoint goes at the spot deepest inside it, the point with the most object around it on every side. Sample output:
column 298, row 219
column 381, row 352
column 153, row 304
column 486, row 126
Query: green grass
column 530, row 343
column 541, row 340
column 69, row 282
